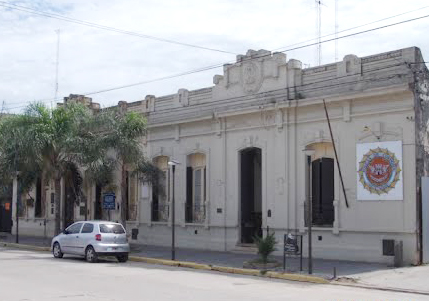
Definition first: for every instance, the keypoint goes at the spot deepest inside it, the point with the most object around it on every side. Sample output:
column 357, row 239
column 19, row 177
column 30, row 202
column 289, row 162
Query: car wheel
column 56, row 251
column 122, row 258
column 91, row 255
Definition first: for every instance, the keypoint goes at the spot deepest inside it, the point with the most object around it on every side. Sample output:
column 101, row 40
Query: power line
column 258, row 57
column 220, row 65
column 306, row 87
column 355, row 27
column 239, row 98
column 98, row 26
column 357, row 33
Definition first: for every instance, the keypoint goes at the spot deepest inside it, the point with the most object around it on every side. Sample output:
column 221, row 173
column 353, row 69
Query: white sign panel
column 379, row 171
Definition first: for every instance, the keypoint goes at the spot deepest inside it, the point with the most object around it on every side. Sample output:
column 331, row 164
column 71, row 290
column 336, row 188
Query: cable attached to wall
column 336, row 156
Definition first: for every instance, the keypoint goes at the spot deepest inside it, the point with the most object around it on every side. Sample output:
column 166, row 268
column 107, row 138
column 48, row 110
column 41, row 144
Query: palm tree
column 16, row 155
column 51, row 141
column 123, row 131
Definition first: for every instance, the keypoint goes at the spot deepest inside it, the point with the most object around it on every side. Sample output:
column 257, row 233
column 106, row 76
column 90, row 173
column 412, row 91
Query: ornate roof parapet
column 181, row 99
column 350, row 65
column 148, row 104
column 77, row 98
column 255, row 72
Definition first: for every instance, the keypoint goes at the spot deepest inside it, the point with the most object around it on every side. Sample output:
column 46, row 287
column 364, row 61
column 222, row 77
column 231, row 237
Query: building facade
column 256, row 146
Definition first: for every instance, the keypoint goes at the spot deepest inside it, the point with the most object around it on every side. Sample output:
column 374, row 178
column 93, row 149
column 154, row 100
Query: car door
column 69, row 241
column 85, row 237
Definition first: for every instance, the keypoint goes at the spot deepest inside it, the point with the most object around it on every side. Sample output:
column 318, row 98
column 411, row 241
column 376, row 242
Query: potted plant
column 265, row 245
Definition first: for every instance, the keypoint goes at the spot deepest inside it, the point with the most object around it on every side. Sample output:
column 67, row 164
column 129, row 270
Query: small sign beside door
column 109, row 201
column 291, row 244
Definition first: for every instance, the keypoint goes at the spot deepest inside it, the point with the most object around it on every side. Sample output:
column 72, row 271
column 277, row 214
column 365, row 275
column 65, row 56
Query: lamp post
column 173, row 164
column 308, row 154
column 17, row 193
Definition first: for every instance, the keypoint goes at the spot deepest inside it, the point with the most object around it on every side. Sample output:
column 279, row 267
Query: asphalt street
column 37, row 276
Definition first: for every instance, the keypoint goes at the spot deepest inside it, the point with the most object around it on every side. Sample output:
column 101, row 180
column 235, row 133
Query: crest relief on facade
column 251, row 77
column 251, row 73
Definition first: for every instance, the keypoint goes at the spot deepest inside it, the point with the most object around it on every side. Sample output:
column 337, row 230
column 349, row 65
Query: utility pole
column 57, row 67
column 17, row 197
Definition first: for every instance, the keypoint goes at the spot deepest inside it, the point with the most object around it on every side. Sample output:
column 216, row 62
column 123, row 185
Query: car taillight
column 98, row 237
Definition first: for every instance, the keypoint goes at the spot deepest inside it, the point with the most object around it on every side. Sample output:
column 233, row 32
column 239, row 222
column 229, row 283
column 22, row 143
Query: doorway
column 73, row 194
column 6, row 209
column 98, row 210
column 251, row 194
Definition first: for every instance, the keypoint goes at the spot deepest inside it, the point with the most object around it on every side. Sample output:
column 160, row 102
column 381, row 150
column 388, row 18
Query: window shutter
column 327, row 196
column 38, row 205
column 316, row 191
column 155, row 201
column 323, row 191
column 188, row 212
column 205, row 184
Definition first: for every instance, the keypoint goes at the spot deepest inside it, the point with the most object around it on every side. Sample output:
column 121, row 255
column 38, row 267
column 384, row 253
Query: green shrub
column 266, row 246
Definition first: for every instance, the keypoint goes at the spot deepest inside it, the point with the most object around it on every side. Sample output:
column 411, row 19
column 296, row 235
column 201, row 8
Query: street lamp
column 308, row 154
column 368, row 129
column 173, row 164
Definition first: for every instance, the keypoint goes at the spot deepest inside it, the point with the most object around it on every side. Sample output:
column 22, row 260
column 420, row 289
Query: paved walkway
column 229, row 259
column 408, row 279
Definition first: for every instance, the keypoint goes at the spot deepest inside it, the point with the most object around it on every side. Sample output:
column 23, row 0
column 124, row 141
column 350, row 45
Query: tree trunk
column 57, row 200
column 123, row 195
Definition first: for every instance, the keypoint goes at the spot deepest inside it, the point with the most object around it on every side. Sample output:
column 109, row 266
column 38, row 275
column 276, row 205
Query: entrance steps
column 5, row 234
column 245, row 249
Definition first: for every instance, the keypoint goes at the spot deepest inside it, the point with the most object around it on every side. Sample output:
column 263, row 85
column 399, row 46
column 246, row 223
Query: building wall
column 377, row 108
column 267, row 102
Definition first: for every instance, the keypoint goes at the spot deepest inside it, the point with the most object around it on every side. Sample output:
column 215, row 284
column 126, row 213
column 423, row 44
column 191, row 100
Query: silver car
column 92, row 239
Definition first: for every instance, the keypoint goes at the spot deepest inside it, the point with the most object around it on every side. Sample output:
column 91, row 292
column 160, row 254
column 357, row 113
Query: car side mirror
column 66, row 232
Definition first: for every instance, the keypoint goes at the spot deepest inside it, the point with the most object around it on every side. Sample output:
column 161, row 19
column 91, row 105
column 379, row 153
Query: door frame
column 263, row 187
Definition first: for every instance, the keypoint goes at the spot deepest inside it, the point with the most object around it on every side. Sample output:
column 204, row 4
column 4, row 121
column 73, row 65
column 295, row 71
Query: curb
column 199, row 266
column 25, row 247
column 388, row 289
column 231, row 270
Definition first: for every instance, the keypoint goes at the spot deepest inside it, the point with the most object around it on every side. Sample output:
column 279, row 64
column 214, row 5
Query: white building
column 243, row 166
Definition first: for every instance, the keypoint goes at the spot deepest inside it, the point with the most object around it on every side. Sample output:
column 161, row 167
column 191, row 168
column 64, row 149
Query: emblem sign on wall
column 379, row 171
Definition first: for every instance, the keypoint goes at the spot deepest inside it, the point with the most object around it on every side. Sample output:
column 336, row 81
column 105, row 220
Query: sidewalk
column 410, row 278
column 321, row 267
column 355, row 274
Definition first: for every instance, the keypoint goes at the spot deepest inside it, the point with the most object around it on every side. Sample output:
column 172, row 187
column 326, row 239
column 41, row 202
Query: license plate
column 113, row 249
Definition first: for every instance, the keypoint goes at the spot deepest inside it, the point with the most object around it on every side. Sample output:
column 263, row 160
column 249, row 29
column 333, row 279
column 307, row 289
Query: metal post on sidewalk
column 309, row 153
column 173, row 222
column 173, row 164
column 17, row 197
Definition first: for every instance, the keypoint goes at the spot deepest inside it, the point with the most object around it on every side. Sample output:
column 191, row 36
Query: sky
column 92, row 60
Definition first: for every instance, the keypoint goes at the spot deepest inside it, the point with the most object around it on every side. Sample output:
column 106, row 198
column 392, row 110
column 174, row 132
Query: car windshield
column 111, row 228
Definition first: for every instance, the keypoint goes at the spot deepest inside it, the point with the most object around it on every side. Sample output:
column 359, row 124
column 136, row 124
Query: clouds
column 93, row 59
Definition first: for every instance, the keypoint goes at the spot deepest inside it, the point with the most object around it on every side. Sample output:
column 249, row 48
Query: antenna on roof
column 319, row 30
column 336, row 30
column 57, row 63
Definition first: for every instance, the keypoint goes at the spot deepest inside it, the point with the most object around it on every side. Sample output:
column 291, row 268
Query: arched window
column 195, row 188
column 161, row 191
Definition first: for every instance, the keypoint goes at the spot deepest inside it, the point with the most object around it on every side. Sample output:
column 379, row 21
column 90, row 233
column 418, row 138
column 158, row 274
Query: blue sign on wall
column 109, row 201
